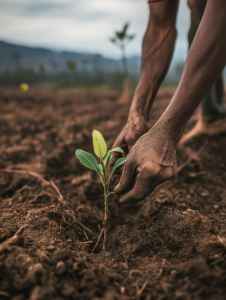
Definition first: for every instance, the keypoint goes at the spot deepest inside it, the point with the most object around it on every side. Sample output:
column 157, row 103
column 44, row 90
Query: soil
column 170, row 246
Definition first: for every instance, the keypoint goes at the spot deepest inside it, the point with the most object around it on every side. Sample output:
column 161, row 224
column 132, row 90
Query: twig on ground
column 162, row 268
column 4, row 294
column 26, row 172
column 75, row 220
column 86, row 228
column 57, row 190
column 13, row 240
column 139, row 293
column 86, row 235
column 192, row 157
column 45, row 182
column 70, row 224
column 72, row 214
column 98, row 240
column 87, row 242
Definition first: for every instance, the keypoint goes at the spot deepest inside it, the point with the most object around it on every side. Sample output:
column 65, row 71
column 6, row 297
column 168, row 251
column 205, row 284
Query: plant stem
column 106, row 188
column 105, row 215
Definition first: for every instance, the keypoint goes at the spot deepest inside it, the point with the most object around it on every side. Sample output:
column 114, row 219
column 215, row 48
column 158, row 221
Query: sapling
column 89, row 161
column 24, row 87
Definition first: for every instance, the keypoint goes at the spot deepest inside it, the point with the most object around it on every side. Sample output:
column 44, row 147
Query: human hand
column 135, row 127
column 152, row 161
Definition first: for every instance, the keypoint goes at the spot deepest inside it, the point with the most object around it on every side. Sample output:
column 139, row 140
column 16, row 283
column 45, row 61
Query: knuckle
column 168, row 174
column 152, row 170
column 130, row 140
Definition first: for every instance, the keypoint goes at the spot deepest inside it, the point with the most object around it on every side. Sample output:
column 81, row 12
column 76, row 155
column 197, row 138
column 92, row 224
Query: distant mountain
column 17, row 56
column 13, row 57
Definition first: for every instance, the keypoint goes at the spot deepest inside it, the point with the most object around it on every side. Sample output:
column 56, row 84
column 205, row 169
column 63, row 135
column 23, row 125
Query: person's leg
column 212, row 106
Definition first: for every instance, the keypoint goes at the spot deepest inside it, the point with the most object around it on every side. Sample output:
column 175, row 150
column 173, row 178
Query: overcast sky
column 81, row 25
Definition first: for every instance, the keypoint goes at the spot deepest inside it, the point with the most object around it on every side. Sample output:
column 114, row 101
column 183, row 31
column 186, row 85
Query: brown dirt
column 170, row 246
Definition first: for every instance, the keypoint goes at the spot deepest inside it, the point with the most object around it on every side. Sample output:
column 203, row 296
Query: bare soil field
column 170, row 246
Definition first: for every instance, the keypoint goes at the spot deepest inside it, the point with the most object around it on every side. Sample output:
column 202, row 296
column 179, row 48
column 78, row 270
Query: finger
column 141, row 187
column 115, row 156
column 130, row 140
column 120, row 142
column 130, row 144
column 126, row 177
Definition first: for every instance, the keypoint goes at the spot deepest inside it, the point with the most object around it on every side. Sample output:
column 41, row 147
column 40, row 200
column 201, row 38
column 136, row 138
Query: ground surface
column 171, row 246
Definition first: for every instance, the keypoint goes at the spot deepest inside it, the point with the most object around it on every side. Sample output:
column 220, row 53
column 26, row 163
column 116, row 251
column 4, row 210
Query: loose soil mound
column 170, row 246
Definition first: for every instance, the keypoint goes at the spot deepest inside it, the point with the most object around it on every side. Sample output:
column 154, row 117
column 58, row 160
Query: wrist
column 169, row 129
column 138, row 112
column 141, row 104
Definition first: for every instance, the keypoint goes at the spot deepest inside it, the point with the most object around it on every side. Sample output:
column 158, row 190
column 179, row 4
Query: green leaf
column 130, row 37
column 88, row 160
column 108, row 155
column 118, row 149
column 110, row 194
column 101, row 169
column 118, row 163
column 113, row 40
column 107, row 159
column 99, row 144
column 125, row 29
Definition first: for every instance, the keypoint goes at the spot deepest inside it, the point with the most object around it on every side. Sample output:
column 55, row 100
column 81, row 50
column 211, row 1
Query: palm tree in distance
column 121, row 39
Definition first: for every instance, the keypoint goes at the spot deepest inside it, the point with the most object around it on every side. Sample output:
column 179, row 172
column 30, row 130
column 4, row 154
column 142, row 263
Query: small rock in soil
column 43, row 293
column 124, row 266
column 173, row 273
column 36, row 273
column 60, row 268
column 78, row 266
column 62, row 255
column 67, row 290
column 50, row 247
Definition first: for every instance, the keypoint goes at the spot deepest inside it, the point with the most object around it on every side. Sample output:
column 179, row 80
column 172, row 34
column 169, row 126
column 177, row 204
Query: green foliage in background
column 24, row 87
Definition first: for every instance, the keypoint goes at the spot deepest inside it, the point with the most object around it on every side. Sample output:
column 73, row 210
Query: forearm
column 205, row 62
column 157, row 50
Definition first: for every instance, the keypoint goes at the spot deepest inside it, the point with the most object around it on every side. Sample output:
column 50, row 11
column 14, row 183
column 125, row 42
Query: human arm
column 153, row 158
column 157, row 50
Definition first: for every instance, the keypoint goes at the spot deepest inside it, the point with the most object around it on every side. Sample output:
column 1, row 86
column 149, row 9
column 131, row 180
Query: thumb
column 126, row 178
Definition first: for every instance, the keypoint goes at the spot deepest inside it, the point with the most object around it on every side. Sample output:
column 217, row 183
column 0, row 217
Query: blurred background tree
column 16, row 58
column 121, row 39
column 71, row 66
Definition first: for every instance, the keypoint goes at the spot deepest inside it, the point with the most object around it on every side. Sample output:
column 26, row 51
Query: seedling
column 89, row 161
column 24, row 87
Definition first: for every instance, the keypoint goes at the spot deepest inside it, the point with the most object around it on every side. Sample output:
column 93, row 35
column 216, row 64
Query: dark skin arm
column 153, row 158
column 157, row 50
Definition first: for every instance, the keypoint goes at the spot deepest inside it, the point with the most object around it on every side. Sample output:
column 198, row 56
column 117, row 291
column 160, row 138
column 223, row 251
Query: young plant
column 24, row 87
column 89, row 161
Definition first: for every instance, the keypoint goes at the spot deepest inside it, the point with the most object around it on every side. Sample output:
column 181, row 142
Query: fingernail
column 117, row 186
